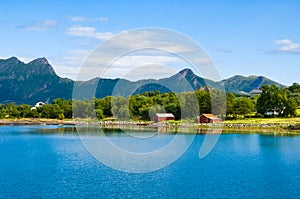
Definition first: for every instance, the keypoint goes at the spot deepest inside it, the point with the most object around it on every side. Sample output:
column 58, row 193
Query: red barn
column 208, row 118
column 159, row 117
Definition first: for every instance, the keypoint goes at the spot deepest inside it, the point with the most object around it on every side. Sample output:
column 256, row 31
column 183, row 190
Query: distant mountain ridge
column 243, row 84
column 37, row 81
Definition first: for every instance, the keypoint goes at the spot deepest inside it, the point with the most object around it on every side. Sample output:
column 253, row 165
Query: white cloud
column 133, row 66
column 129, row 50
column 68, row 64
column 287, row 47
column 77, row 19
column 39, row 25
column 131, row 40
column 87, row 31
column 148, row 71
column 86, row 19
column 103, row 19
column 139, row 39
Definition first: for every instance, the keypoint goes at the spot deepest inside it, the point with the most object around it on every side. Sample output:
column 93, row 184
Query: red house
column 159, row 117
column 208, row 118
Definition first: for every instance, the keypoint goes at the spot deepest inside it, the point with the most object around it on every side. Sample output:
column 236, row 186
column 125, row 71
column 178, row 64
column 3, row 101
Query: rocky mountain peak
column 39, row 61
column 41, row 66
column 186, row 72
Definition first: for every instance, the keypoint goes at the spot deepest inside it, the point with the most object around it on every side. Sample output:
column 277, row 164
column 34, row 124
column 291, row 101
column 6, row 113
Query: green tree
column 230, row 103
column 204, row 101
column 99, row 113
column 105, row 105
column 274, row 100
column 294, row 92
column 174, row 108
column 189, row 105
column 65, row 106
column 9, row 110
column 83, row 108
column 243, row 106
column 120, row 108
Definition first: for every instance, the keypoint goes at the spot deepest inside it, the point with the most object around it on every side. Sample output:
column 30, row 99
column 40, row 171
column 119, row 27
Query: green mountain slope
column 241, row 84
column 37, row 81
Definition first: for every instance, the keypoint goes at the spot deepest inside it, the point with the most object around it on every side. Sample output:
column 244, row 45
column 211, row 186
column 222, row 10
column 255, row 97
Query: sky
column 240, row 37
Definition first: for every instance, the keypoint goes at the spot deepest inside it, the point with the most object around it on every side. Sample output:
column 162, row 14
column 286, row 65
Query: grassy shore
column 276, row 124
column 36, row 121
column 241, row 125
column 275, row 121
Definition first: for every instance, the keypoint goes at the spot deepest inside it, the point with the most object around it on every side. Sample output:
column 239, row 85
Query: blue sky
column 241, row 37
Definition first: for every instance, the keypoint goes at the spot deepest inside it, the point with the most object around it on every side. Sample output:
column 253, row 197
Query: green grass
column 292, row 121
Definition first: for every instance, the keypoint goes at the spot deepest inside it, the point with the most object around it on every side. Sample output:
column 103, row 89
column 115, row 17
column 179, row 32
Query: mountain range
column 37, row 81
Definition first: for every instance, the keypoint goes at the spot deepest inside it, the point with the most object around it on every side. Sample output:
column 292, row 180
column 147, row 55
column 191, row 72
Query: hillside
column 37, row 81
column 28, row 83
column 241, row 84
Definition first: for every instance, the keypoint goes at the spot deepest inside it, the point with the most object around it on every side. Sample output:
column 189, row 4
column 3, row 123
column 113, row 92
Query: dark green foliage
column 243, row 106
column 275, row 101
column 9, row 111
column 65, row 106
column 230, row 103
column 294, row 92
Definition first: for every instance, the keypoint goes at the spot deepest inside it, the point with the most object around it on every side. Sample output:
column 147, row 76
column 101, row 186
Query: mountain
column 37, row 81
column 241, row 84
column 32, row 82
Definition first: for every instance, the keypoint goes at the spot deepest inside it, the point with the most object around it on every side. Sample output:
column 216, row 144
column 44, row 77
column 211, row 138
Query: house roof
column 164, row 115
column 210, row 116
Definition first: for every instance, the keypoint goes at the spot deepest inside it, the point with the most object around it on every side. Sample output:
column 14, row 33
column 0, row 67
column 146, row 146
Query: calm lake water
column 53, row 163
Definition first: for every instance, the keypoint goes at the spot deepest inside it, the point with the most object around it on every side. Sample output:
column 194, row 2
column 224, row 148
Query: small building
column 38, row 104
column 159, row 117
column 208, row 118
column 255, row 92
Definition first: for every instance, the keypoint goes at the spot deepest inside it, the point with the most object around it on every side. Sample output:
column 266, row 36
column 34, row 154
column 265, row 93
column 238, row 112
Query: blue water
column 53, row 163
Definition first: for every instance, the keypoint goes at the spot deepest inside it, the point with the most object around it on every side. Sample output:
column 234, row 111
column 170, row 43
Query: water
column 35, row 163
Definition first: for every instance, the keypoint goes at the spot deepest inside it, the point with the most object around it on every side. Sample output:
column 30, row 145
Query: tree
column 120, row 108
column 65, row 106
column 243, row 106
column 9, row 110
column 83, row 108
column 190, row 105
column 204, row 101
column 290, row 107
column 174, row 108
column 275, row 101
column 230, row 103
column 25, row 110
column 294, row 92
column 105, row 105
column 99, row 113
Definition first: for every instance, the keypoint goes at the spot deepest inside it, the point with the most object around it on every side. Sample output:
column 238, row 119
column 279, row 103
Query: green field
column 291, row 121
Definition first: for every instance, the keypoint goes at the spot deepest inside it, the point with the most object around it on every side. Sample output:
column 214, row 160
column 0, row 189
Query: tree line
column 272, row 102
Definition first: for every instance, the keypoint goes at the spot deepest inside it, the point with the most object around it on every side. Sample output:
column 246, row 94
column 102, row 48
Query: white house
column 38, row 104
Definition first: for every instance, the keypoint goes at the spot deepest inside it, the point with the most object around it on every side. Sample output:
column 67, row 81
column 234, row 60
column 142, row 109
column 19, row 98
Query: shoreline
column 35, row 121
column 163, row 127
